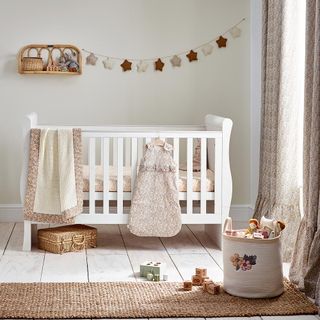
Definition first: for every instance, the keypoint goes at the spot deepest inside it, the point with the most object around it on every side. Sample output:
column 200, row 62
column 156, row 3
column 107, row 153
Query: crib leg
column 214, row 231
column 27, row 236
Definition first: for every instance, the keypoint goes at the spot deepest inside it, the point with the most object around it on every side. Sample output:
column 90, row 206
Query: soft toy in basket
column 252, row 259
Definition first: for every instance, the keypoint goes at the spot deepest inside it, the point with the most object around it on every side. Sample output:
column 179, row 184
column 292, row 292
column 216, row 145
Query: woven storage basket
column 261, row 276
column 32, row 63
column 67, row 238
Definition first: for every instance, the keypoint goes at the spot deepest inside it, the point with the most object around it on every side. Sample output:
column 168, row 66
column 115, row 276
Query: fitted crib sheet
column 182, row 184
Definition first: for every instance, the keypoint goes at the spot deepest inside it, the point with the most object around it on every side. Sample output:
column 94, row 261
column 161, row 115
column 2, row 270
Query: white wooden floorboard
column 67, row 267
column 236, row 318
column 16, row 240
column 186, row 264
column 21, row 268
column 5, row 232
column 298, row 317
column 183, row 242
column 109, row 241
column 204, row 239
column 109, row 267
column 145, row 249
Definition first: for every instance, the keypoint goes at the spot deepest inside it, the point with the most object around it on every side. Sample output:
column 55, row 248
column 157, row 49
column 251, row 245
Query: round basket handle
column 76, row 241
column 227, row 224
column 37, row 50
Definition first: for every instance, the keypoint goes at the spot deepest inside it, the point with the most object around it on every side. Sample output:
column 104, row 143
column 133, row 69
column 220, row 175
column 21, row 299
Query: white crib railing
column 127, row 150
column 125, row 144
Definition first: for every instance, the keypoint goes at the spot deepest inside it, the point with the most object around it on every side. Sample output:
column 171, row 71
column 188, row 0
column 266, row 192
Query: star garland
column 159, row 63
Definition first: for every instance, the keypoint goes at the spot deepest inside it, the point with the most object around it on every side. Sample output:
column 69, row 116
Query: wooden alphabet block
column 213, row 288
column 196, row 280
column 201, row 272
column 187, row 285
column 205, row 284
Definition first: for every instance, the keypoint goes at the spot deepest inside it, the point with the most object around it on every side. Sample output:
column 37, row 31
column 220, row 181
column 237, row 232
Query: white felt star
column 175, row 61
column 108, row 64
column 91, row 59
column 142, row 66
column 235, row 32
column 207, row 49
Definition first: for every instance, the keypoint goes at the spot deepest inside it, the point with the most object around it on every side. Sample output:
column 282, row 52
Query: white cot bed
column 111, row 157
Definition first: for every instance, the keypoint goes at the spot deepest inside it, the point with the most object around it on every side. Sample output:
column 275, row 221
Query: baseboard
column 13, row 212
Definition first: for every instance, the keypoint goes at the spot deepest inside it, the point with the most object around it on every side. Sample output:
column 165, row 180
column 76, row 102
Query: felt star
column 158, row 65
column 108, row 64
column 235, row 32
column 222, row 42
column 207, row 49
column 175, row 61
column 91, row 59
column 142, row 66
column 126, row 65
column 192, row 56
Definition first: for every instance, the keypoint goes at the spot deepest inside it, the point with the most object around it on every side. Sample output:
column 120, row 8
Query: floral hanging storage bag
column 155, row 209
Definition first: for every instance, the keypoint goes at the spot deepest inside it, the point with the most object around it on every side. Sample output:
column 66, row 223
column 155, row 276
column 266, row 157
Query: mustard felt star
column 126, row 65
column 192, row 56
column 222, row 42
column 158, row 65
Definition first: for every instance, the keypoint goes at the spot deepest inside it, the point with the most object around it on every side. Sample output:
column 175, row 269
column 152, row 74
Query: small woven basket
column 71, row 238
column 32, row 63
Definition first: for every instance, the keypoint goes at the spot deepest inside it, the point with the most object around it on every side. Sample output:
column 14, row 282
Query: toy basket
column 252, row 267
column 32, row 63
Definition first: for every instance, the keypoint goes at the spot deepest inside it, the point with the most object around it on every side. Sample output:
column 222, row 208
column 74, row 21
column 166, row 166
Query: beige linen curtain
column 305, row 267
column 278, row 194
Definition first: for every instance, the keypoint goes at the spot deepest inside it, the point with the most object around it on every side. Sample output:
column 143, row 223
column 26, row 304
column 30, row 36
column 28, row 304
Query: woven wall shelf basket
column 44, row 59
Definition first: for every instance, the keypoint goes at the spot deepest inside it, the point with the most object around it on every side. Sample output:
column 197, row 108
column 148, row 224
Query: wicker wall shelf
column 62, row 59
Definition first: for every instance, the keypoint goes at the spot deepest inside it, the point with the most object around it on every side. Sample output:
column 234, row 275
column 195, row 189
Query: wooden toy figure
column 253, row 227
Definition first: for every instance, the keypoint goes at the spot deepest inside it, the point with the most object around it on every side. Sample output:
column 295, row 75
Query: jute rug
column 138, row 300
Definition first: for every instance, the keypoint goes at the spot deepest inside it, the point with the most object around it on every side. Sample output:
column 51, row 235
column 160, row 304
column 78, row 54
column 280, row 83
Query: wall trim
column 13, row 212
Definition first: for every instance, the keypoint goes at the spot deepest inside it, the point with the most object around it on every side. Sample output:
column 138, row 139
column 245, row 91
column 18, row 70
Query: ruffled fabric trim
column 158, row 168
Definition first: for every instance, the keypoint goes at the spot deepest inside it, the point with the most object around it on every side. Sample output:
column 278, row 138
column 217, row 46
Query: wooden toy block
column 201, row 272
column 213, row 288
column 204, row 278
column 196, row 280
column 187, row 285
column 152, row 267
column 205, row 283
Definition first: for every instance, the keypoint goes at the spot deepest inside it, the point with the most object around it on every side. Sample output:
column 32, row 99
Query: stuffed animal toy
column 253, row 227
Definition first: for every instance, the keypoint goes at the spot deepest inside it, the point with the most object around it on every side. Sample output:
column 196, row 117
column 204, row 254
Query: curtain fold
column 279, row 193
column 305, row 267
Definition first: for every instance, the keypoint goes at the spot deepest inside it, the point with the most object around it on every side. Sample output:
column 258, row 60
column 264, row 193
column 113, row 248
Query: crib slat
column 105, row 163
column 176, row 157
column 189, row 175
column 134, row 162
column 217, row 176
column 203, row 176
column 127, row 152
column 92, row 175
column 114, row 152
column 120, row 176
column 140, row 148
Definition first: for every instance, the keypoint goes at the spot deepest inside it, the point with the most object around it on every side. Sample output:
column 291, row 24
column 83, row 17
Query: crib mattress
column 182, row 184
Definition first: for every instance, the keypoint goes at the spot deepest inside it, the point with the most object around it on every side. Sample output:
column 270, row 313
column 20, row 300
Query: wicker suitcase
column 69, row 238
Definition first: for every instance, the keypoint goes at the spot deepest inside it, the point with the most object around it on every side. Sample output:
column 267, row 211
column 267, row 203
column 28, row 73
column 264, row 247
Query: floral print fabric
column 244, row 263
column 155, row 209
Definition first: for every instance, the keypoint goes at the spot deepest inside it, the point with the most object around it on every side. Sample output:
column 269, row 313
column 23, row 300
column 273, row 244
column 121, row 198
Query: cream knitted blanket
column 54, row 188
